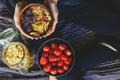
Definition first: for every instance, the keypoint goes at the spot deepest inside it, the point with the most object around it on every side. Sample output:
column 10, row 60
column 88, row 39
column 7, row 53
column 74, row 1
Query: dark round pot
column 58, row 41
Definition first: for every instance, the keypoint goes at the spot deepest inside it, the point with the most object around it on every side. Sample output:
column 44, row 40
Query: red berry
column 64, row 57
column 53, row 45
column 52, row 58
column 43, row 61
column 53, row 71
column 60, row 63
column 65, row 67
column 62, row 47
column 57, row 52
column 47, row 68
column 60, row 70
column 46, row 48
column 68, row 52
column 68, row 61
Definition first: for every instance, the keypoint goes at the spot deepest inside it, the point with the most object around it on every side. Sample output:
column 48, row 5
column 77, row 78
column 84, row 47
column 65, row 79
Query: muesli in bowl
column 35, row 20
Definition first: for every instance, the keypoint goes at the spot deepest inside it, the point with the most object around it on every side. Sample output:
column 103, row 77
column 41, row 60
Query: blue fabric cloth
column 109, row 70
column 94, row 15
column 7, row 7
column 87, row 56
column 70, row 2
column 95, row 76
column 100, row 16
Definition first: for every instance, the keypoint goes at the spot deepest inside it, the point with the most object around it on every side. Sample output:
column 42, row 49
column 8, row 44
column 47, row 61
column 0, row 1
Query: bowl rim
column 73, row 60
column 25, row 8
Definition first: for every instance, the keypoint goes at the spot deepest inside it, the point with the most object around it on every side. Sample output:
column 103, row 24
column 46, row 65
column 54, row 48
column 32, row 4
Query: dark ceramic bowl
column 58, row 41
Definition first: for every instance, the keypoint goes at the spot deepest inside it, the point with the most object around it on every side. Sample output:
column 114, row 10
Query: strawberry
column 68, row 61
column 65, row 67
column 53, row 71
column 60, row 63
column 68, row 52
column 62, row 47
column 43, row 60
column 46, row 48
column 53, row 45
column 47, row 68
column 57, row 52
column 64, row 57
column 52, row 58
column 60, row 70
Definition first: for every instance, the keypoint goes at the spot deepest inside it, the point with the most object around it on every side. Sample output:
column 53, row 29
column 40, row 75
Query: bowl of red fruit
column 35, row 20
column 56, row 57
